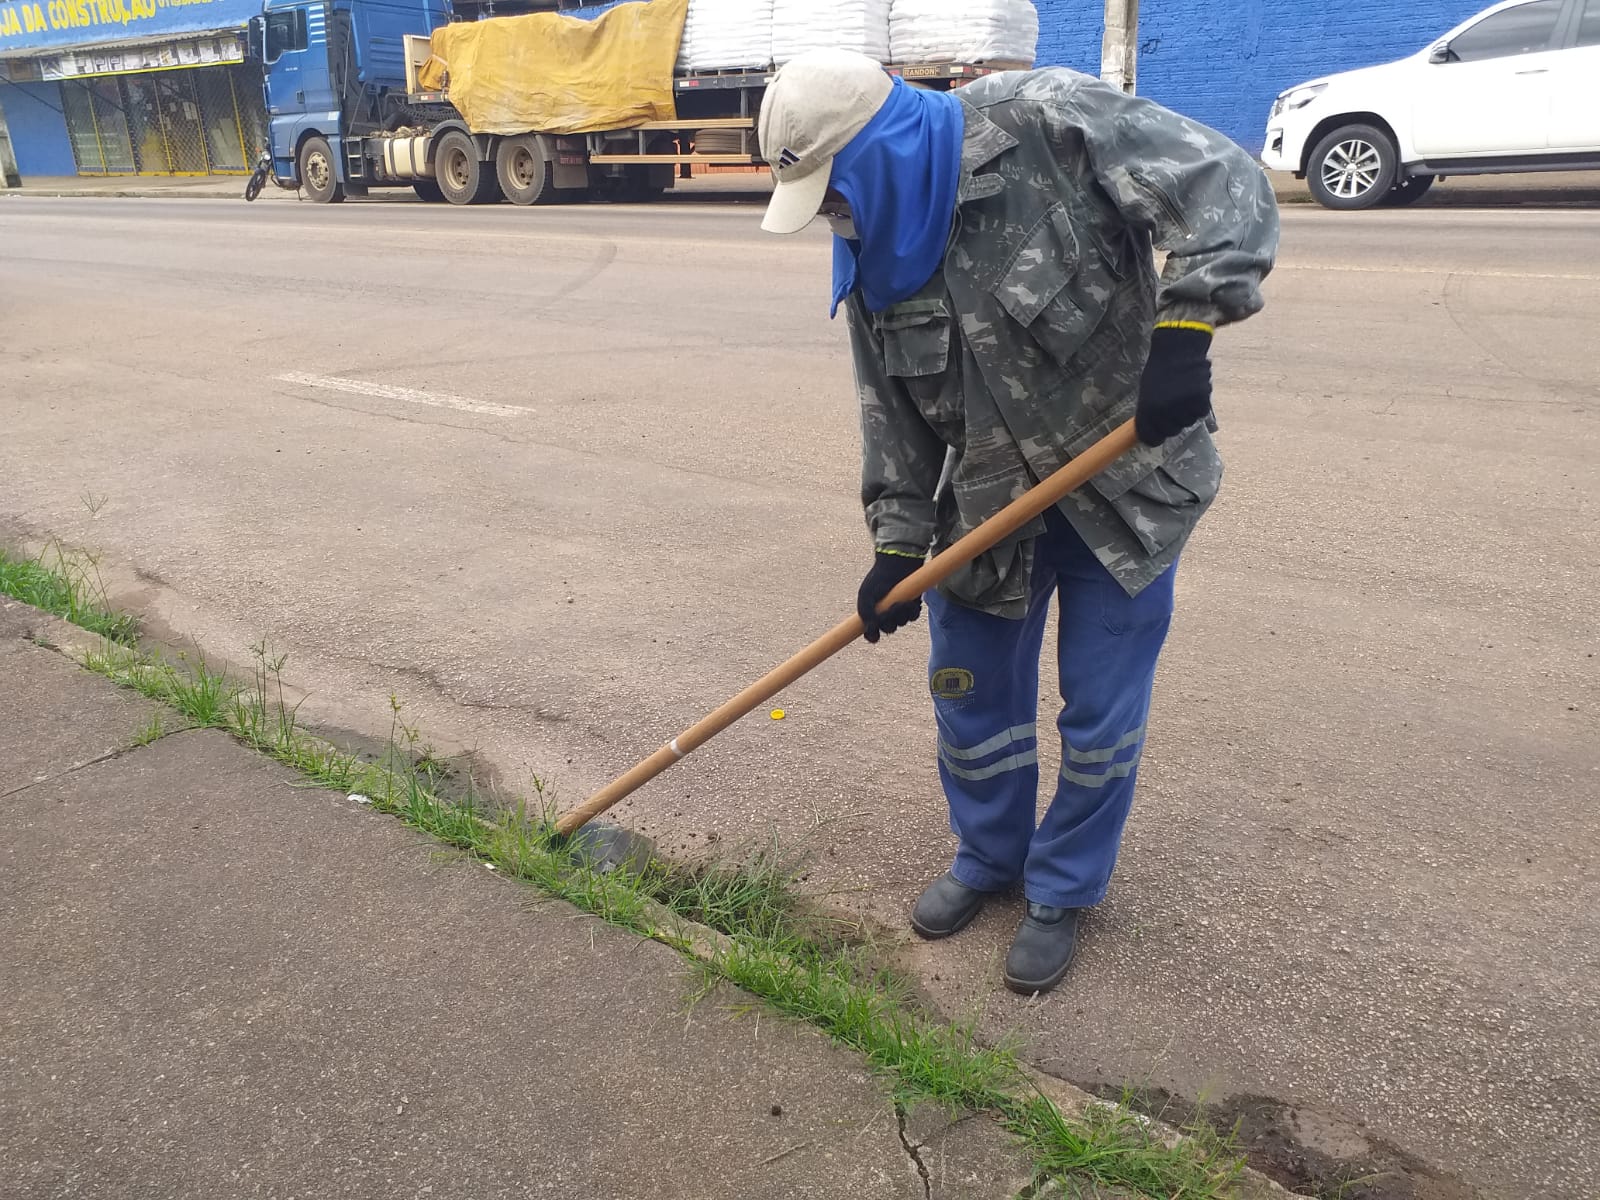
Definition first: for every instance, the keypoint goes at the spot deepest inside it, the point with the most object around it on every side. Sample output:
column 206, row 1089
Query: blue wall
column 1223, row 63
column 38, row 128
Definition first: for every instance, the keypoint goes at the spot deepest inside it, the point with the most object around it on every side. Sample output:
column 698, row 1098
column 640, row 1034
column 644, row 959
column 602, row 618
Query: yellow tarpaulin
column 553, row 74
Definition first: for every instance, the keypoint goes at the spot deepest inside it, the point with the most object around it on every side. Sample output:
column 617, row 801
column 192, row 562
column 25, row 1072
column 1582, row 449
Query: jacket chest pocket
column 916, row 351
column 1056, row 287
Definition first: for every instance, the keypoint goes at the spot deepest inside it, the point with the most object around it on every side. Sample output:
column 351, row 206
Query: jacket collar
column 981, row 144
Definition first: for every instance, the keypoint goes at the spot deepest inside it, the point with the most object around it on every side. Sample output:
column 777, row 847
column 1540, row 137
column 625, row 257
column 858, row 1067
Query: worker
column 993, row 254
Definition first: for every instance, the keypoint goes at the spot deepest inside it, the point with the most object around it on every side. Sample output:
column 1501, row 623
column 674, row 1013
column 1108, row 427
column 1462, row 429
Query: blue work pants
column 984, row 674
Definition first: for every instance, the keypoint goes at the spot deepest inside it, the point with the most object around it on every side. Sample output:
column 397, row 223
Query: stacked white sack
column 963, row 31
column 801, row 25
column 722, row 34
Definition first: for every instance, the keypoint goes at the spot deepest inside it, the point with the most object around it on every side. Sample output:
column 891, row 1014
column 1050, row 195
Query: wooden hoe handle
column 932, row 573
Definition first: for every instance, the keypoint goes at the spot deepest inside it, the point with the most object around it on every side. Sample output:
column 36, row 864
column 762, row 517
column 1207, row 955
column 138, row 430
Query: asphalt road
column 561, row 480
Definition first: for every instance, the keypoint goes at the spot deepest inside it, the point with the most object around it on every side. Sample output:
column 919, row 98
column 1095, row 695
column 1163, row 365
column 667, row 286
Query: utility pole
column 9, row 178
column 1119, row 51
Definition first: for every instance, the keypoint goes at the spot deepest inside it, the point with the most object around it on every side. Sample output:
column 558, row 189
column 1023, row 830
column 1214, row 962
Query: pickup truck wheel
column 526, row 176
column 317, row 174
column 427, row 189
column 1408, row 191
column 462, row 176
column 1352, row 168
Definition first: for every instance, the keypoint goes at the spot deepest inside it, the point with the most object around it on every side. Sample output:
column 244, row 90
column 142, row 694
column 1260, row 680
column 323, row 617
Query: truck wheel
column 318, row 175
column 429, row 190
column 1352, row 168
column 647, row 183
column 462, row 176
column 633, row 185
column 526, row 175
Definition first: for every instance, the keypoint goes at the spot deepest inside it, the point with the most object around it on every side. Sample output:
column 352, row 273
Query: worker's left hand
column 1176, row 389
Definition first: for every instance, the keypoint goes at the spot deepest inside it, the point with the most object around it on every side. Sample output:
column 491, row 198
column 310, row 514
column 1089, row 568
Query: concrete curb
column 132, row 194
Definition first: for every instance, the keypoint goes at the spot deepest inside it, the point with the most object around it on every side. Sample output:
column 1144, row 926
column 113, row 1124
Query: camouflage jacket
column 1028, row 346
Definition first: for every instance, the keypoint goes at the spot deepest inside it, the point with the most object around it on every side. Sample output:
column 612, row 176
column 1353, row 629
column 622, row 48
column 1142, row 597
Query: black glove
column 887, row 570
column 1176, row 389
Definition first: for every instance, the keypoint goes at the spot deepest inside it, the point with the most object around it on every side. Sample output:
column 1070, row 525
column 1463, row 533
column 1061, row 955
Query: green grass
column 772, row 946
column 150, row 733
column 68, row 584
column 868, row 1010
column 756, row 899
column 205, row 697
column 1114, row 1147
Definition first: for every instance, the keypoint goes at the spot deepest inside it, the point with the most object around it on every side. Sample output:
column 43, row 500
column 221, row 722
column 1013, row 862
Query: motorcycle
column 258, row 177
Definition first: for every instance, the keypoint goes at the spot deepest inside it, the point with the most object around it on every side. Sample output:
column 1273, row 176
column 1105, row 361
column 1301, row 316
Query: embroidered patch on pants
column 951, row 683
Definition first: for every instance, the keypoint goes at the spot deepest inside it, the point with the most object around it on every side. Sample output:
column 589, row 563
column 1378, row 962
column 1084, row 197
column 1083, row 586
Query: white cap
column 814, row 106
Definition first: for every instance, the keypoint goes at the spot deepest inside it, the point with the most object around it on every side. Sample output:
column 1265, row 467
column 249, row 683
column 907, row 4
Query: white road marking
column 388, row 391
column 1352, row 269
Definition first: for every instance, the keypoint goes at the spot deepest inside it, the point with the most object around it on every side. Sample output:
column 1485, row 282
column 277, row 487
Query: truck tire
column 525, row 173
column 429, row 190
column 1352, row 168
column 648, row 183
column 635, row 184
column 462, row 176
column 319, row 172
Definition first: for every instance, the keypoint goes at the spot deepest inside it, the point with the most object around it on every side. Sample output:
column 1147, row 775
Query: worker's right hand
column 888, row 568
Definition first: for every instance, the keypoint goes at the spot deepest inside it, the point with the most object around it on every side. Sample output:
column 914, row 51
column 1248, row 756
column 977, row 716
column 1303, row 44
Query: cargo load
column 979, row 31
column 802, row 25
column 560, row 74
column 722, row 35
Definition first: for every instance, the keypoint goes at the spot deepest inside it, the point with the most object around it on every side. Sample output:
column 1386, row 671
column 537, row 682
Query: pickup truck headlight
column 1297, row 98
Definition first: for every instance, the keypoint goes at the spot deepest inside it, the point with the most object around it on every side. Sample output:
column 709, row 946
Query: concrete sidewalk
column 219, row 982
column 1492, row 191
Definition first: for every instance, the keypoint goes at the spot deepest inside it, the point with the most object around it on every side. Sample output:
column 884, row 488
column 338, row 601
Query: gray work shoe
column 946, row 906
column 1042, row 950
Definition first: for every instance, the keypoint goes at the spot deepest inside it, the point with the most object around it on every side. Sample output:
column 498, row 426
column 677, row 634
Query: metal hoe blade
column 608, row 848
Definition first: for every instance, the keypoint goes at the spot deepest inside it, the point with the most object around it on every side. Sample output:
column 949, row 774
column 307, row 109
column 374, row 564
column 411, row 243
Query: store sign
column 44, row 24
column 117, row 60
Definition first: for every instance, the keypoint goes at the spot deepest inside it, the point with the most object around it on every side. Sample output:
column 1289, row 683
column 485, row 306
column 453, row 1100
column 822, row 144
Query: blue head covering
column 900, row 175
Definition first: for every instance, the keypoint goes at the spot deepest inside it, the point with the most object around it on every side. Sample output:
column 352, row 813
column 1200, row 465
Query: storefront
column 162, row 89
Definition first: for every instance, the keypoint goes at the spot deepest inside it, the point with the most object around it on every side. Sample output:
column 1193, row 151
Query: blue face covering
column 899, row 175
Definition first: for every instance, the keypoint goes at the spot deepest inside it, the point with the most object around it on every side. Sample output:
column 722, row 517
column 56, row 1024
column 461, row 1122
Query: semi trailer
column 346, row 113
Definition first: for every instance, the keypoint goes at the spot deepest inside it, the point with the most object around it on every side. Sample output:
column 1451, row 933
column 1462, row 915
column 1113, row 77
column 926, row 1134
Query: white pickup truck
column 1515, row 88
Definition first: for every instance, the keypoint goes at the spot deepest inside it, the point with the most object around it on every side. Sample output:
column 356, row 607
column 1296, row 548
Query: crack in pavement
column 87, row 763
column 913, row 1153
column 433, row 679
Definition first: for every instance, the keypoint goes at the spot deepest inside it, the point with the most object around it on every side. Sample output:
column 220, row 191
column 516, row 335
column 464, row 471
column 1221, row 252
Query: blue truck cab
column 331, row 68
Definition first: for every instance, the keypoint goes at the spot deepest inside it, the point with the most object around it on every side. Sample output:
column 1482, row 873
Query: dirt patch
column 1312, row 1151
